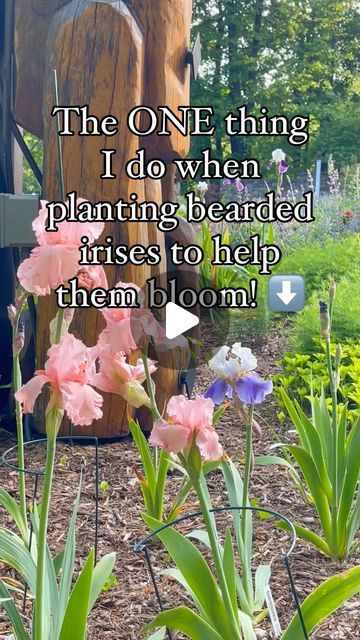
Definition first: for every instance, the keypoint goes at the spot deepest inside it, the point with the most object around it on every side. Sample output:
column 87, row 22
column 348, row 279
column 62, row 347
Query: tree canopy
column 291, row 56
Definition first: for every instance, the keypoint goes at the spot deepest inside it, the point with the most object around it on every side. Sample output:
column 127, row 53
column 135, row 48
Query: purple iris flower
column 218, row 391
column 238, row 184
column 250, row 389
column 283, row 166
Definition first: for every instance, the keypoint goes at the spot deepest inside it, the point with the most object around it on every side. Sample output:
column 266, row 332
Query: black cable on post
column 26, row 151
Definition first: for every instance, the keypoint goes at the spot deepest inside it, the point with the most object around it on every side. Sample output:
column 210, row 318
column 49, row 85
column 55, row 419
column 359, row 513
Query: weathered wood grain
column 111, row 56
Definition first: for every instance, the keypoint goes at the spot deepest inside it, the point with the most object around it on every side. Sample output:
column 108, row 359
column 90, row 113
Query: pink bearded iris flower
column 56, row 258
column 117, row 376
column 188, row 421
column 68, row 369
column 126, row 328
column 91, row 277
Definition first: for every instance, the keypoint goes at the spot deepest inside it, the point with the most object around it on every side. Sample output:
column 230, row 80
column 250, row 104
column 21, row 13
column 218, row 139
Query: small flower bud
column 338, row 356
column 332, row 291
column 21, row 297
column 324, row 320
column 68, row 316
column 257, row 429
column 201, row 189
column 12, row 314
column 19, row 341
column 338, row 353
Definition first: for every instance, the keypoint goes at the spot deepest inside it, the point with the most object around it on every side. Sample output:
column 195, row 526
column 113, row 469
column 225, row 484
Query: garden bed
column 128, row 605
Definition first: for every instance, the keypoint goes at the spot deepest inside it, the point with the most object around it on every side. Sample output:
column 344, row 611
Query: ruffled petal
column 225, row 365
column 81, row 403
column 102, row 382
column 72, row 232
column 195, row 414
column 208, row 442
column 29, row 392
column 91, row 277
column 252, row 389
column 171, row 437
column 68, row 360
column 118, row 337
column 219, row 361
column 218, row 391
column 247, row 358
column 47, row 268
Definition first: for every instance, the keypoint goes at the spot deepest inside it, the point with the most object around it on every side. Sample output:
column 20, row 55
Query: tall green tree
column 292, row 56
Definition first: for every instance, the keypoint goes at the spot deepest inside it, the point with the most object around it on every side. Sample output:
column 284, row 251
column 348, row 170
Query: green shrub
column 318, row 263
column 299, row 370
column 346, row 318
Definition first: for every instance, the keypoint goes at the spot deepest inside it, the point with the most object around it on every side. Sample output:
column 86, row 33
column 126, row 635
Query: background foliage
column 292, row 56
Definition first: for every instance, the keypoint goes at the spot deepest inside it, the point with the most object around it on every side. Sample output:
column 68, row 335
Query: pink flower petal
column 68, row 360
column 118, row 337
column 68, row 233
column 47, row 268
column 91, row 277
column 72, row 232
column 81, row 403
column 197, row 414
column 209, row 445
column 29, row 392
column 171, row 437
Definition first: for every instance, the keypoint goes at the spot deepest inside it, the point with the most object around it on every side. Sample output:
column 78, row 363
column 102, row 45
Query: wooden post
column 112, row 56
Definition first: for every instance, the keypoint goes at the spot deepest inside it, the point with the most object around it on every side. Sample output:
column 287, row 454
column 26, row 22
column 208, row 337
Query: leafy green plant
column 155, row 467
column 66, row 606
column 329, row 461
column 299, row 371
column 317, row 607
column 328, row 456
column 213, row 594
column 63, row 462
column 104, row 486
column 345, row 320
column 250, row 590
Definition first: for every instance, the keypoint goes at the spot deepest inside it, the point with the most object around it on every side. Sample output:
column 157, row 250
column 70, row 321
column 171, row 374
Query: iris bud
column 332, row 291
column 324, row 320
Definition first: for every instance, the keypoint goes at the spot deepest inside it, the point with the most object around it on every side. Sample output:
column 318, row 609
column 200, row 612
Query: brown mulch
column 126, row 607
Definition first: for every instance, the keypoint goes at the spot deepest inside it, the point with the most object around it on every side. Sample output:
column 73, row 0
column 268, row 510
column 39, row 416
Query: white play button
column 178, row 320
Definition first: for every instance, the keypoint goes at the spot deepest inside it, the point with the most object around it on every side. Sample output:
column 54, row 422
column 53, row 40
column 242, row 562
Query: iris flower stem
column 59, row 325
column 245, row 500
column 44, row 516
column 334, row 457
column 53, row 421
column 154, row 409
column 150, row 388
column 216, row 556
column 17, row 382
column 248, row 465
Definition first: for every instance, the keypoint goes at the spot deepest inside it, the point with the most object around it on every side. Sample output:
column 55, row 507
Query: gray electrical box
column 16, row 217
